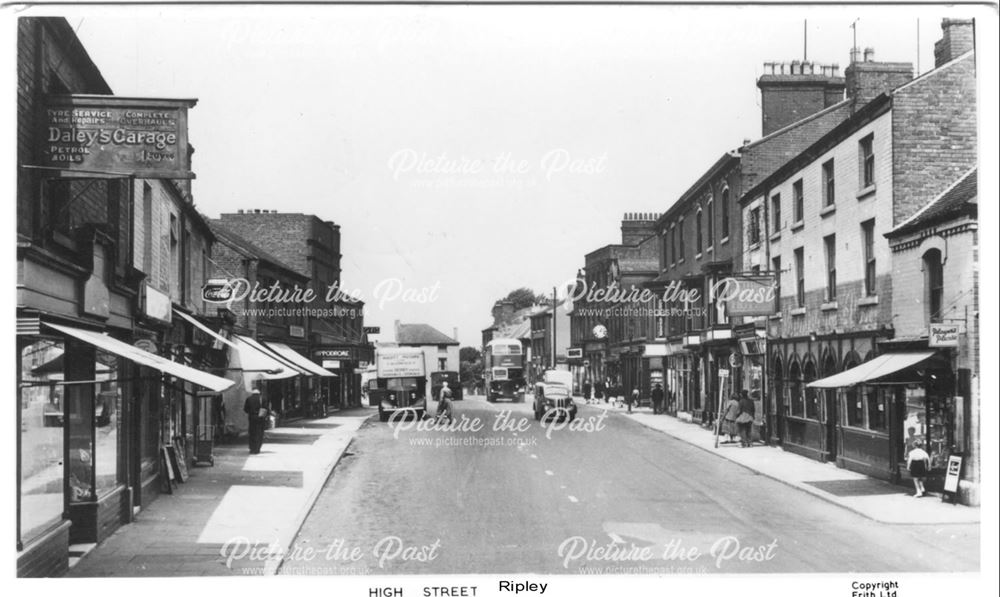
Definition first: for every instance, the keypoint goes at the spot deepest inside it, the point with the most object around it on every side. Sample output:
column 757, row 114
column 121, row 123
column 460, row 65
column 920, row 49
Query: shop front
column 888, row 404
column 90, row 432
column 344, row 364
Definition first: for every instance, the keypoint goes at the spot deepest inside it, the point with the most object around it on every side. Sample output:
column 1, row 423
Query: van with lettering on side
column 399, row 386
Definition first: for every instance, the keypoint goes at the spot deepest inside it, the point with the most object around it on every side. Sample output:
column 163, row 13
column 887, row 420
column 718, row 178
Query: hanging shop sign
column 92, row 135
column 747, row 295
column 944, row 334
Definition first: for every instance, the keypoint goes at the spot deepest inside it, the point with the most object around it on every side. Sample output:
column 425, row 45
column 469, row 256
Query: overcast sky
column 374, row 117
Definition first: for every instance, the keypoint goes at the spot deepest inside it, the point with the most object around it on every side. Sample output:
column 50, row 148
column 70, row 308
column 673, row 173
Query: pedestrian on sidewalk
column 444, row 403
column 732, row 412
column 917, row 462
column 599, row 392
column 633, row 399
column 745, row 419
column 586, row 392
column 657, row 396
column 257, row 416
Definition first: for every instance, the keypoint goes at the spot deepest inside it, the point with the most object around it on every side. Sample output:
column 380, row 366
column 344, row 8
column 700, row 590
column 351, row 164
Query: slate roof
column 957, row 200
column 421, row 334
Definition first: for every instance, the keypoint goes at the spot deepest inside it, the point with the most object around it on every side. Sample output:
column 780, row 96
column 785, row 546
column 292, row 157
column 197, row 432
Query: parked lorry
column 400, row 382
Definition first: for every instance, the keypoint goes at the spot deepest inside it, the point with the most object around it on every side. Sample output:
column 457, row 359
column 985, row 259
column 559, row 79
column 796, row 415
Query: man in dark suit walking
column 257, row 416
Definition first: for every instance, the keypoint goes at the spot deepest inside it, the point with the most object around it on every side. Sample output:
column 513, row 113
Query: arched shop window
column 777, row 382
column 812, row 394
column 796, row 405
column 829, row 368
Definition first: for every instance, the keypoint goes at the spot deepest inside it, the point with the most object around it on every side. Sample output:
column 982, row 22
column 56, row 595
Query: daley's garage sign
column 101, row 134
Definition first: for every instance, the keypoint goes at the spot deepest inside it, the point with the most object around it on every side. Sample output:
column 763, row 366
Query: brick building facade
column 613, row 334
column 311, row 247
column 823, row 218
column 105, row 381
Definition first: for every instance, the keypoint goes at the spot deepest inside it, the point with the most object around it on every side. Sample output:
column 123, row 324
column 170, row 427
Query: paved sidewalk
column 875, row 499
column 261, row 498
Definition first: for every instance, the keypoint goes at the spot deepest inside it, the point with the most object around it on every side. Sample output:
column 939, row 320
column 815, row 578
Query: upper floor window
column 829, row 186
column 673, row 244
column 776, row 266
column 753, row 226
column 664, row 249
column 697, row 233
column 680, row 240
column 934, row 285
column 776, row 213
column 800, row 278
column 724, row 234
column 830, row 244
column 798, row 200
column 710, row 223
column 866, row 156
column 868, row 238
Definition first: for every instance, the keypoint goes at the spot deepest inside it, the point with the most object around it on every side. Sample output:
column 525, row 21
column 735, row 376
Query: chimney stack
column 868, row 79
column 395, row 327
column 454, row 334
column 637, row 227
column 791, row 91
column 958, row 37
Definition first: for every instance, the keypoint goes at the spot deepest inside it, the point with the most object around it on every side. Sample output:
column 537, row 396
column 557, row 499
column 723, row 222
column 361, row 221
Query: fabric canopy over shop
column 874, row 370
column 204, row 328
column 258, row 363
column 147, row 359
column 299, row 360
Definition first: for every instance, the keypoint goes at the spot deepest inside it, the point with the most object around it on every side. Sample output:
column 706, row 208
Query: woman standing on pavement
column 745, row 419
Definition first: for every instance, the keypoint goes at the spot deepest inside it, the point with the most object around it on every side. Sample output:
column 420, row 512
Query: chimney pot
column 869, row 54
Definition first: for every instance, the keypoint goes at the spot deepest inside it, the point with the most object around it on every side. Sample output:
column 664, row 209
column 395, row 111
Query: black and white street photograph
column 502, row 298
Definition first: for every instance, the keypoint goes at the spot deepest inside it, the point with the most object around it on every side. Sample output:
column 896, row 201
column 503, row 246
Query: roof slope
column 958, row 199
column 421, row 334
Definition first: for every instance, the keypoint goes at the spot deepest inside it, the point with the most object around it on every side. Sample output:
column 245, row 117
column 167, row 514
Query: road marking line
column 573, row 499
column 549, row 473
column 534, row 456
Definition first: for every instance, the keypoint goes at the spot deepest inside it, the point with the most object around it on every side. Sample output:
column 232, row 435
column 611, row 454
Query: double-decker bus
column 503, row 369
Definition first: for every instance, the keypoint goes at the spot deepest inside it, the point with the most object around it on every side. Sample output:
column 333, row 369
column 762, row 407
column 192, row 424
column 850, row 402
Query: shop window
column 915, row 421
column 811, row 394
column 797, row 399
column 854, row 406
column 776, row 384
column 41, row 447
column 878, row 409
